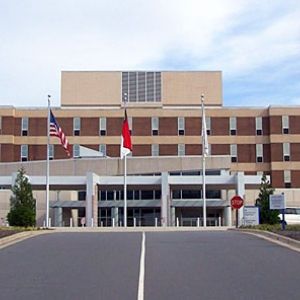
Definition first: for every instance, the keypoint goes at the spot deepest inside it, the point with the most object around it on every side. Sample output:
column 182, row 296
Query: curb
column 136, row 229
column 273, row 237
column 267, row 235
column 18, row 237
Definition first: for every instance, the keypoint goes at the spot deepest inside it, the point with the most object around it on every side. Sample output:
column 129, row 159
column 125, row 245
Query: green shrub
column 22, row 204
column 266, row 215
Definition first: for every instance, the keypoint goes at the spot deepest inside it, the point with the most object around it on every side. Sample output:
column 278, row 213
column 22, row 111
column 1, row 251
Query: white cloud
column 41, row 38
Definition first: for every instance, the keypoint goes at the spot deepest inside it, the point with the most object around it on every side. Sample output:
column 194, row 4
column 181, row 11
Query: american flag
column 55, row 130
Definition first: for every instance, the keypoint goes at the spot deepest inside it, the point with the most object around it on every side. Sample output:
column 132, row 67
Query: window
column 292, row 211
column 129, row 119
column 51, row 152
column 208, row 125
column 155, row 150
column 157, row 194
column 76, row 126
column 213, row 194
column 186, row 194
column 136, row 195
column 175, row 173
column 232, row 124
column 233, row 153
column 180, row 125
column 76, row 151
column 24, row 152
column 81, row 195
column 181, row 149
column 285, row 124
column 287, row 178
column 102, row 126
column 286, row 151
column 190, row 173
column 258, row 124
column 141, row 86
column 191, row 194
column 102, row 195
column 260, row 173
column 147, row 195
column 154, row 125
column 110, row 195
column 102, row 149
column 176, row 194
column 24, row 128
column 259, row 153
column 130, row 194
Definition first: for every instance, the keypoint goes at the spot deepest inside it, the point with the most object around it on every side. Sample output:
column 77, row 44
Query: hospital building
column 164, row 170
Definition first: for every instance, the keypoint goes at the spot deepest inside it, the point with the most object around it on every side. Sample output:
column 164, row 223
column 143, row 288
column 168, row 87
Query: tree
column 266, row 215
column 22, row 204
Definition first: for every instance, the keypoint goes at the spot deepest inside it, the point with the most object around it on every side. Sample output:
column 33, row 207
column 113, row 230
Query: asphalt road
column 178, row 265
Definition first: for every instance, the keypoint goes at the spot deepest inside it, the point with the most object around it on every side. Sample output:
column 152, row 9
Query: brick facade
column 220, row 126
column 168, row 126
column 168, row 137
column 245, row 126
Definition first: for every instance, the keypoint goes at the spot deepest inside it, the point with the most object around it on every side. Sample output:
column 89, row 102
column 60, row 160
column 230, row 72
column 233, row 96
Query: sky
column 255, row 43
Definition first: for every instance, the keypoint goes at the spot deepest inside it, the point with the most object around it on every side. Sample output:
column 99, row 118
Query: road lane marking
column 142, row 269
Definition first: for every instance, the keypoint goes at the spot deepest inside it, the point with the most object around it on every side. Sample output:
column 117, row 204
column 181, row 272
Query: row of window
column 180, row 151
column 260, row 153
column 117, row 195
column 131, row 195
column 155, row 125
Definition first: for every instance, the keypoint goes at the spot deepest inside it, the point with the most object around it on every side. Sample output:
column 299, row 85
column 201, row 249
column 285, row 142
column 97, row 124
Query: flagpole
column 48, row 165
column 125, row 191
column 203, row 161
column 125, row 176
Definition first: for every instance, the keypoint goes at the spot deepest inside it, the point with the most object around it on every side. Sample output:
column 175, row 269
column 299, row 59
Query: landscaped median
column 289, row 237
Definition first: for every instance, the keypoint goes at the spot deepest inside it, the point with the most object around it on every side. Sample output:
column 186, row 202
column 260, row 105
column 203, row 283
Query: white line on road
column 142, row 269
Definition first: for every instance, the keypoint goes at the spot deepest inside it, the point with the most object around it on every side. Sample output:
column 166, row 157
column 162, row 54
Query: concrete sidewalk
column 272, row 237
column 18, row 237
column 138, row 229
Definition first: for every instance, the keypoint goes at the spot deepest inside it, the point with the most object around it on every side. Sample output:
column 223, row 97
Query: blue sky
column 256, row 44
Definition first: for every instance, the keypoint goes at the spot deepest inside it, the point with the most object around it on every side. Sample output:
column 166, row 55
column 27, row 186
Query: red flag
column 126, row 146
column 55, row 130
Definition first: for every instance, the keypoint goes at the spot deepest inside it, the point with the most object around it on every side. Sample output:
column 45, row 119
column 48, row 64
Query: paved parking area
column 151, row 265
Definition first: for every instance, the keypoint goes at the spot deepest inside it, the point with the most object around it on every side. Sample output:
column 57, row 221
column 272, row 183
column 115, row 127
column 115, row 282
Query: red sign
column 236, row 202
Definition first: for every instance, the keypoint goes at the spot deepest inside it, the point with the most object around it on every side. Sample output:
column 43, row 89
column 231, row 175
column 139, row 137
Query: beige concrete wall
column 287, row 165
column 84, row 88
column 250, row 197
column 136, row 140
column 4, row 205
column 40, row 197
column 7, row 111
column 281, row 138
column 138, row 110
column 292, row 196
column 40, row 205
column 90, row 88
column 281, row 110
column 114, row 166
column 249, row 167
column 185, row 88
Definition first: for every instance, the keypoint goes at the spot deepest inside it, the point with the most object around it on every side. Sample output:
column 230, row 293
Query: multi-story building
column 164, row 113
